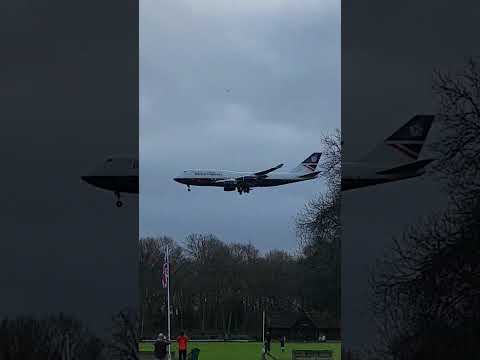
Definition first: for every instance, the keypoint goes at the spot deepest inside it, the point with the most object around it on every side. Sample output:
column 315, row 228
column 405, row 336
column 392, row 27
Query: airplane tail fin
column 403, row 145
column 308, row 165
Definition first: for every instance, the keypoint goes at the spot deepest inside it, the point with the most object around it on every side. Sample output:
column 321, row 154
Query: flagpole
column 263, row 331
column 168, row 303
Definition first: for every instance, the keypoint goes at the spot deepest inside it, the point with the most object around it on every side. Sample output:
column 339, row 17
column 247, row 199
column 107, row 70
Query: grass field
column 246, row 351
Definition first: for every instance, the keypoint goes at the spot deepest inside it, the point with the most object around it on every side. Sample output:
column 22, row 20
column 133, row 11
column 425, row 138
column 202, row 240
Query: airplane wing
column 407, row 168
column 226, row 181
column 265, row 172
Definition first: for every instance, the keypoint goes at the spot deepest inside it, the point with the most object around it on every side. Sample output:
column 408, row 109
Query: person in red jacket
column 182, row 341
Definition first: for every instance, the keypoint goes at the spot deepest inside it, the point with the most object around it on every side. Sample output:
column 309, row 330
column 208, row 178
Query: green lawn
column 245, row 351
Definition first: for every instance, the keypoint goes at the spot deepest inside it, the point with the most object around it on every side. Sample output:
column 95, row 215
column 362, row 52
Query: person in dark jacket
column 268, row 342
column 161, row 347
column 283, row 340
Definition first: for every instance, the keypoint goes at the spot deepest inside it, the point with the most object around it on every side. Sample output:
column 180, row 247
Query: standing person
column 268, row 341
column 283, row 340
column 182, row 341
column 160, row 347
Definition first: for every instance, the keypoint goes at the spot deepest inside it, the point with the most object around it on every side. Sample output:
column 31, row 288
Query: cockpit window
column 108, row 163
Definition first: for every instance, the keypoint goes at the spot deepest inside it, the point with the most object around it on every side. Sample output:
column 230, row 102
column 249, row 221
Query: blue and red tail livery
column 309, row 164
column 409, row 139
column 398, row 157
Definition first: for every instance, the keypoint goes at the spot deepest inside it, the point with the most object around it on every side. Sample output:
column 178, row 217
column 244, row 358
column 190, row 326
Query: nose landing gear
column 188, row 188
column 119, row 202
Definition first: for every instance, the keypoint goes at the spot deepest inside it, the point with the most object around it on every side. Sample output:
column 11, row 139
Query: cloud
column 266, row 7
column 227, row 9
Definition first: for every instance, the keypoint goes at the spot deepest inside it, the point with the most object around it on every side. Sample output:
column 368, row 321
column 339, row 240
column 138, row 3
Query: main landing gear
column 119, row 202
column 243, row 189
column 188, row 188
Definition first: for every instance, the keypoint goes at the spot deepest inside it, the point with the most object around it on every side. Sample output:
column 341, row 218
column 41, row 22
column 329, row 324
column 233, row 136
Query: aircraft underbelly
column 122, row 184
column 205, row 182
column 273, row 182
column 251, row 182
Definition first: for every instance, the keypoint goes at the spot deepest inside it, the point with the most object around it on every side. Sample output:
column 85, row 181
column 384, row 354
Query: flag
column 165, row 273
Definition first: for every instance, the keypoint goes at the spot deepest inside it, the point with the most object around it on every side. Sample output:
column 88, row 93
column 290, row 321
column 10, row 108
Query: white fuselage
column 225, row 178
column 243, row 181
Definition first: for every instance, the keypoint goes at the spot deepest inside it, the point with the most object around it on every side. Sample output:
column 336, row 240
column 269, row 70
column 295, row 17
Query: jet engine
column 247, row 179
column 230, row 185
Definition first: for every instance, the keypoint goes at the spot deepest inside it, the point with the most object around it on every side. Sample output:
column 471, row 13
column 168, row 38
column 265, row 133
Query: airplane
column 118, row 174
column 396, row 158
column 243, row 181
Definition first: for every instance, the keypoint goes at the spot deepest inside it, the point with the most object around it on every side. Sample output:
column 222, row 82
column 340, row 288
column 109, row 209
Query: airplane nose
column 87, row 179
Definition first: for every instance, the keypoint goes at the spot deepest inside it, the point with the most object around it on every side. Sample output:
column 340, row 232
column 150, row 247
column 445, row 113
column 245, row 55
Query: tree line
column 223, row 288
column 64, row 337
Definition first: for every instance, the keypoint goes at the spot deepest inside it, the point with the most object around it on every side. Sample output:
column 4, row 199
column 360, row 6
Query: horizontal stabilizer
column 265, row 172
column 407, row 168
column 310, row 175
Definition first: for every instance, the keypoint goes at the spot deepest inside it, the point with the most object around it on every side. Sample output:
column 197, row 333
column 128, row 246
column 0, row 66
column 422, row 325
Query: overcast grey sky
column 280, row 61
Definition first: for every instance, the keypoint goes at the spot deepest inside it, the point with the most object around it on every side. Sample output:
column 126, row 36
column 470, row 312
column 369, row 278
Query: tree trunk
column 204, row 301
column 229, row 330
